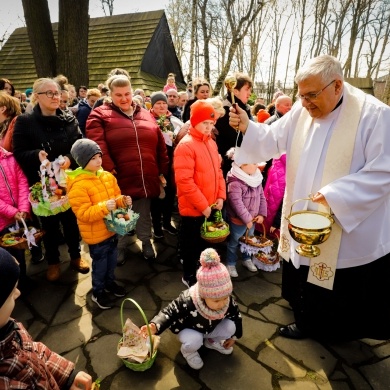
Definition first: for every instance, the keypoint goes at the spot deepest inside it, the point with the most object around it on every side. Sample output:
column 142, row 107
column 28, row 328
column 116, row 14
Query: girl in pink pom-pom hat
column 205, row 314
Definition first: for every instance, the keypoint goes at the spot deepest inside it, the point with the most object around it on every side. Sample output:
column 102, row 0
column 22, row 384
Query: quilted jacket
column 26, row 364
column 198, row 174
column 133, row 146
column 244, row 202
column 274, row 190
column 13, row 189
column 88, row 193
column 181, row 314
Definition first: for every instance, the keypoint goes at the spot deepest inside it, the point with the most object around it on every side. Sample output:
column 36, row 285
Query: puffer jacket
column 274, row 190
column 244, row 202
column 35, row 132
column 88, row 193
column 133, row 146
column 198, row 173
column 181, row 314
column 26, row 364
column 13, row 189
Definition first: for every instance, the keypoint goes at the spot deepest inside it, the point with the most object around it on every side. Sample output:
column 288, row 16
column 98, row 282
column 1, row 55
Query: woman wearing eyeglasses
column 47, row 133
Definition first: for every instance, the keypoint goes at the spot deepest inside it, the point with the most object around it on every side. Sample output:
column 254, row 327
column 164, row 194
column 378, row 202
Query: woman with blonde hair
column 47, row 133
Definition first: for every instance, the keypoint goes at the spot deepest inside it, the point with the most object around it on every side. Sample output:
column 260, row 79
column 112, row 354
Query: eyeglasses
column 313, row 96
column 174, row 96
column 49, row 94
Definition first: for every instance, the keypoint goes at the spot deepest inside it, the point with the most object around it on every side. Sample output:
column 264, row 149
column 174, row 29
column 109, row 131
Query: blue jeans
column 104, row 257
column 236, row 231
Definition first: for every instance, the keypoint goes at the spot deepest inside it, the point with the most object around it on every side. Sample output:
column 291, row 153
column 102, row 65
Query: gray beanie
column 9, row 275
column 157, row 96
column 83, row 150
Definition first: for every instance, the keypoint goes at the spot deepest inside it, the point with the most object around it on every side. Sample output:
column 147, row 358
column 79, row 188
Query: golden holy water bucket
column 309, row 228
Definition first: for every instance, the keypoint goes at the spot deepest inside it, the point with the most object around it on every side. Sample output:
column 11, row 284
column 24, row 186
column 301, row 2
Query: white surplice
column 360, row 201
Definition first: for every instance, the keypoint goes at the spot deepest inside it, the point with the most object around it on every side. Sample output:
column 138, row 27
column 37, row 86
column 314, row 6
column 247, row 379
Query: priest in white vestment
column 337, row 142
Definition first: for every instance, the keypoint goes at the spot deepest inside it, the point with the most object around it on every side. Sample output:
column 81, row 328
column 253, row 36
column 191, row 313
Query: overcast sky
column 11, row 15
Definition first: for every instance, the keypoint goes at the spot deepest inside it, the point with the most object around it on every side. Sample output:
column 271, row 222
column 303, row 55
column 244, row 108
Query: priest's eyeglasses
column 49, row 94
column 313, row 96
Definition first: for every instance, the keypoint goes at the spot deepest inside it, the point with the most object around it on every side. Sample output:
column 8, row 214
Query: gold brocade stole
column 337, row 164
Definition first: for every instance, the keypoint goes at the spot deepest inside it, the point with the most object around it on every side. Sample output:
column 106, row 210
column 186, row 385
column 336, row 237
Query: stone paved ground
column 63, row 316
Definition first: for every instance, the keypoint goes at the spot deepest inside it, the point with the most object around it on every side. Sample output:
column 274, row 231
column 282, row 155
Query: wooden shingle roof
column 140, row 43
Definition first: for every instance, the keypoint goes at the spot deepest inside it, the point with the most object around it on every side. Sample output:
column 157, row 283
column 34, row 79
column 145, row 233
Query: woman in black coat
column 47, row 133
column 202, row 90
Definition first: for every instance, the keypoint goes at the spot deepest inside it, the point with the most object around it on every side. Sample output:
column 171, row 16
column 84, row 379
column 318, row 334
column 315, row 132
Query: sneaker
column 115, row 289
column 102, row 300
column 217, row 345
column 148, row 251
column 249, row 265
column 158, row 233
column 80, row 265
column 53, row 272
column 193, row 359
column 170, row 229
column 188, row 282
column 232, row 271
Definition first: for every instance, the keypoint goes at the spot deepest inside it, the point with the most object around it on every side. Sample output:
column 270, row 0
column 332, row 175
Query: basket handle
column 144, row 318
column 205, row 218
column 247, row 232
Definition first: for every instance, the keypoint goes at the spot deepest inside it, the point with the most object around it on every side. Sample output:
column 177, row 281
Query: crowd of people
column 202, row 155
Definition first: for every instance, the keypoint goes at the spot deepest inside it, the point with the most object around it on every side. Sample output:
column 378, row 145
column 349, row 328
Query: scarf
column 203, row 309
column 337, row 164
column 251, row 180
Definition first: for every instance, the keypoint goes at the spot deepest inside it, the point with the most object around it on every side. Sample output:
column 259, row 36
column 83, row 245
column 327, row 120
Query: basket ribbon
column 29, row 234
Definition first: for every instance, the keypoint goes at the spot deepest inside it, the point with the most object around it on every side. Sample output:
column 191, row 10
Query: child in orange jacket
column 200, row 184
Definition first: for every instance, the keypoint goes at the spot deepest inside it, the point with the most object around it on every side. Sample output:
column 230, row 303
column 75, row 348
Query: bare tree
column 40, row 34
column 110, row 6
column 72, row 59
column 71, row 55
column 240, row 16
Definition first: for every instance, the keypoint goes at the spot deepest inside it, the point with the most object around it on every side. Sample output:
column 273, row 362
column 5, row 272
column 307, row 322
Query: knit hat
column 262, row 116
column 28, row 91
column 157, row 96
column 9, row 275
column 83, row 150
column 201, row 111
column 213, row 277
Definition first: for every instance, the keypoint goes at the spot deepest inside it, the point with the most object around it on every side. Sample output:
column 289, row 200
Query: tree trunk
column 40, row 34
column 73, row 41
column 193, row 38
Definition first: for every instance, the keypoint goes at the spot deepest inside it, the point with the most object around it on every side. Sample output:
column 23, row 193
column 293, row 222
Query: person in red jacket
column 133, row 150
column 200, row 184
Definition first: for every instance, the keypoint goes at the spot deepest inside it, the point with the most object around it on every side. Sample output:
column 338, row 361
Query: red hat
column 201, row 111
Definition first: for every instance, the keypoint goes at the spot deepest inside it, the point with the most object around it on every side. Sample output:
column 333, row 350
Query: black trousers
column 51, row 226
column 356, row 308
column 163, row 208
column 191, row 244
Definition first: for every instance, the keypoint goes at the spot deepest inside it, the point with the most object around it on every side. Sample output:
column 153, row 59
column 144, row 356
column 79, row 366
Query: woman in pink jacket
column 14, row 204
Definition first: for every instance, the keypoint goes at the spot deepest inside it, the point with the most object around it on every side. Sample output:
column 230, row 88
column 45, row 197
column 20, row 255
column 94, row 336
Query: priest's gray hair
column 326, row 66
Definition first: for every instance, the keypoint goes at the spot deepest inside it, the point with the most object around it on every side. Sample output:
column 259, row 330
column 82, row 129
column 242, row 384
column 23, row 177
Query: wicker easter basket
column 153, row 352
column 47, row 208
column 17, row 238
column 252, row 244
column 215, row 231
column 118, row 226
